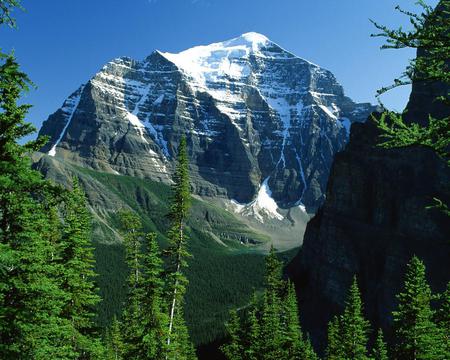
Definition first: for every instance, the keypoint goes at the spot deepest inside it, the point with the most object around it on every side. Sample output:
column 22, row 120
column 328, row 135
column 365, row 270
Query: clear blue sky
column 61, row 44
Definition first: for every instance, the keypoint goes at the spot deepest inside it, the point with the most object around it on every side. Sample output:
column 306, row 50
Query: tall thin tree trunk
column 174, row 299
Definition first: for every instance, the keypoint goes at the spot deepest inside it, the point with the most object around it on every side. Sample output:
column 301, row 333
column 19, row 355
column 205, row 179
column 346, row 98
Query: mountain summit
column 258, row 120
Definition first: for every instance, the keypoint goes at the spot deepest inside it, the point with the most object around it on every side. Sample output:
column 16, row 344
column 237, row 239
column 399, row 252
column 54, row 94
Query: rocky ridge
column 257, row 118
column 374, row 219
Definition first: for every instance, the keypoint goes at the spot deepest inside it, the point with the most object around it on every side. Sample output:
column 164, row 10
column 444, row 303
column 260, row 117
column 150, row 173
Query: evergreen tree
column 144, row 323
column 293, row 341
column 430, row 35
column 354, row 327
column 379, row 351
column 443, row 319
column 39, row 314
column 31, row 300
column 334, row 344
column 154, row 319
column 233, row 349
column 253, row 344
column 77, row 264
column 274, row 271
column 177, row 253
column 114, row 342
column 133, row 327
column 417, row 337
column 308, row 350
column 272, row 312
column 6, row 9
column 271, row 327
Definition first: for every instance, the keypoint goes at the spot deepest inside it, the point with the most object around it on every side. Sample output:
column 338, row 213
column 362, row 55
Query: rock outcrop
column 374, row 219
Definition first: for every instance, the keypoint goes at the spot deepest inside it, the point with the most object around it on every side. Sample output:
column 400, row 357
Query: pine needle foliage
column 416, row 334
column 430, row 35
column 178, row 343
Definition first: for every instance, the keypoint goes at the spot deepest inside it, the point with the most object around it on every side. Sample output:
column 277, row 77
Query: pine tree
column 253, row 344
column 133, row 328
column 77, row 264
column 177, row 253
column 334, row 345
column 274, row 271
column 6, row 9
column 271, row 312
column 443, row 319
column 31, row 299
column 416, row 336
column 429, row 34
column 271, row 327
column 308, row 352
column 379, row 351
column 114, row 343
column 154, row 319
column 354, row 327
column 233, row 349
column 293, row 340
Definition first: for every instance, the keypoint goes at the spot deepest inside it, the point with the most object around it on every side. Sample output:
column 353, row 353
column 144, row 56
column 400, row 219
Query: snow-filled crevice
column 75, row 103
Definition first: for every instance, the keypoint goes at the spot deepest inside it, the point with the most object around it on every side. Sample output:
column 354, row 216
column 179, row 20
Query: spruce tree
column 293, row 343
column 6, row 9
column 154, row 319
column 334, row 345
column 31, row 299
column 114, row 346
column 77, row 264
column 443, row 319
column 271, row 312
column 308, row 352
column 274, row 270
column 416, row 336
column 430, row 35
column 132, row 326
column 253, row 344
column 233, row 349
column 177, row 253
column 354, row 327
column 379, row 351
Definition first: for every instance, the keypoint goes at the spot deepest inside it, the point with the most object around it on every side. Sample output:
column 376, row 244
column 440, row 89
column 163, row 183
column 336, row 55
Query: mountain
column 261, row 123
column 262, row 127
column 374, row 219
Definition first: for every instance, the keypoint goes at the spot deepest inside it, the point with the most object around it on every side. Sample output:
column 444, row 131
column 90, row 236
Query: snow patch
column 345, row 122
column 138, row 125
column 263, row 206
column 75, row 102
column 329, row 111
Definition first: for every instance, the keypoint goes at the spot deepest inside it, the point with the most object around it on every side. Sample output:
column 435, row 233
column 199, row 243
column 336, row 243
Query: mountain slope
column 253, row 113
column 224, row 268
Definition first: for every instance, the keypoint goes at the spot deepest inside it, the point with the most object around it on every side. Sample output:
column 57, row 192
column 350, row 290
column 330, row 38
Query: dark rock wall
column 374, row 220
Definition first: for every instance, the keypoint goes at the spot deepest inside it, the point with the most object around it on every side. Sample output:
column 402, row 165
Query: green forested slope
column 226, row 265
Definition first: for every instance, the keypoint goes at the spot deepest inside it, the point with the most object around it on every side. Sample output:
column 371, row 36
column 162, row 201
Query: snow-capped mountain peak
column 251, row 111
column 208, row 63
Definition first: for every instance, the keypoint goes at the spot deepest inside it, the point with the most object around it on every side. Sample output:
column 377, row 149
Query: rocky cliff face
column 373, row 221
column 256, row 117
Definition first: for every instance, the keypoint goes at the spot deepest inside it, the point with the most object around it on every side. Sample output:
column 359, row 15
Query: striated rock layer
column 253, row 114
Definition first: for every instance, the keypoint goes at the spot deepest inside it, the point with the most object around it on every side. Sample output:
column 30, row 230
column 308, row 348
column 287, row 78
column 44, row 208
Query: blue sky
column 61, row 44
